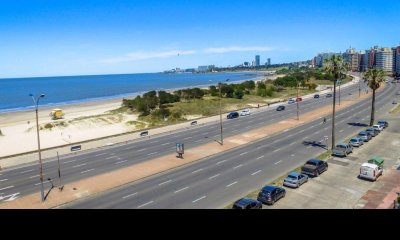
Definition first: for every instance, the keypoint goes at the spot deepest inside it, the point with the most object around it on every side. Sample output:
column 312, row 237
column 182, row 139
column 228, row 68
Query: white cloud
column 141, row 55
column 238, row 49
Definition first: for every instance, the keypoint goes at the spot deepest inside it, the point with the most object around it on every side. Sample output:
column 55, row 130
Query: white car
column 378, row 127
column 291, row 101
column 245, row 112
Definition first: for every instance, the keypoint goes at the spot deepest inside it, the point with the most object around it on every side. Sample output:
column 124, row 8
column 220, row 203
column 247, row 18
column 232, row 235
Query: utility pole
column 340, row 81
column 359, row 88
column 59, row 172
column 220, row 112
column 36, row 102
column 297, row 101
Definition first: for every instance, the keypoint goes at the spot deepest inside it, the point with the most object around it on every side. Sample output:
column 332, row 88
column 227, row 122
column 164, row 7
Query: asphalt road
column 216, row 181
column 24, row 180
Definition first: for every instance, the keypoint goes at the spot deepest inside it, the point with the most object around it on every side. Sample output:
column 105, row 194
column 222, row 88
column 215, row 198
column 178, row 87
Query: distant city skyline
column 71, row 37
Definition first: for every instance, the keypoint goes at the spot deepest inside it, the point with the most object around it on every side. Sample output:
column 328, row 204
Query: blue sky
column 75, row 37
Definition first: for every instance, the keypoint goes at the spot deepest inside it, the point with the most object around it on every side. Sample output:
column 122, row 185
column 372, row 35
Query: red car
column 299, row 99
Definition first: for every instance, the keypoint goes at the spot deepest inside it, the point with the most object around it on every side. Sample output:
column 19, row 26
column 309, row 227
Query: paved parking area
column 340, row 187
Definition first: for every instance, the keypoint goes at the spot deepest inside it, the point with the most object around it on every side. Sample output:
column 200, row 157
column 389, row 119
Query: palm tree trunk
column 333, row 114
column 373, row 109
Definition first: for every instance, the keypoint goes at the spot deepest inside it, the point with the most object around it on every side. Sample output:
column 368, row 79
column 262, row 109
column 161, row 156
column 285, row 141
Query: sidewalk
column 133, row 173
column 7, row 162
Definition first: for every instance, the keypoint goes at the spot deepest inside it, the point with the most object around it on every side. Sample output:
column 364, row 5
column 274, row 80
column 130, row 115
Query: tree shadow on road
column 315, row 144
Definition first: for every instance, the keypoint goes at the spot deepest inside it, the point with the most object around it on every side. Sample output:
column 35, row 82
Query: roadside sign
column 76, row 148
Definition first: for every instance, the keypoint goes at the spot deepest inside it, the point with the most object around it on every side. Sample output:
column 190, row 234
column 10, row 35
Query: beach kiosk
column 56, row 114
column 377, row 161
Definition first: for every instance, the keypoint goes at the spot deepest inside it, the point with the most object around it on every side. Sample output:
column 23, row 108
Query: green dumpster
column 377, row 161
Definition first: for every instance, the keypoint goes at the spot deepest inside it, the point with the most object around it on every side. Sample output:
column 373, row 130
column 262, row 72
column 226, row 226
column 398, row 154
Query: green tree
column 249, row 85
column 374, row 78
column 214, row 91
column 338, row 68
column 227, row 90
column 238, row 94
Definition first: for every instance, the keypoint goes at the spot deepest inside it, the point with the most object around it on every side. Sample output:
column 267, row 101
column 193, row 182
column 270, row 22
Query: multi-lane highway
column 21, row 181
column 219, row 180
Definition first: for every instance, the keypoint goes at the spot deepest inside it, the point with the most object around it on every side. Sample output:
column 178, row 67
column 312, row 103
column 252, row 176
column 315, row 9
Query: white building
column 384, row 59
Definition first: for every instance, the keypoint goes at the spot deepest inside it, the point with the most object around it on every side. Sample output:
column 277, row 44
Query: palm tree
column 337, row 67
column 374, row 77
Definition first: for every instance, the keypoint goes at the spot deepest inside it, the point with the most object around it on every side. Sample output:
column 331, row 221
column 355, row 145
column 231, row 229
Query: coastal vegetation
column 374, row 78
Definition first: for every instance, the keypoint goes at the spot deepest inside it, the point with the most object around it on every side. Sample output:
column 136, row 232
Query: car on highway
column 316, row 96
column 232, row 115
column 329, row 95
column 270, row 194
column 383, row 123
column 314, row 167
column 291, row 101
column 356, row 142
column 299, row 99
column 372, row 131
column 366, row 137
column 295, row 180
column 245, row 112
column 247, row 203
column 342, row 150
column 281, row 108
column 378, row 128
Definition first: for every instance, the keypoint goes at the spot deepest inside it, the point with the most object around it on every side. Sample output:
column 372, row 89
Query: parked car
column 295, row 180
column 271, row 194
column 233, row 115
column 366, row 137
column 356, row 142
column 342, row 150
column 372, row 131
column 245, row 112
column 370, row 171
column 247, row 203
column 281, row 108
column 378, row 128
column 329, row 95
column 383, row 123
column 314, row 167
column 316, row 96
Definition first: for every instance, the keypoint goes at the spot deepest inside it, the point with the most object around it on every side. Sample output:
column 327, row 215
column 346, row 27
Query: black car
column 329, row 95
column 271, row 194
column 316, row 96
column 281, row 108
column 247, row 203
column 314, row 167
column 233, row 115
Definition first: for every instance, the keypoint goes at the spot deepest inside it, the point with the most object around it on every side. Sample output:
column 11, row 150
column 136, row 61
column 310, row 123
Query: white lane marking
column 154, row 142
column 130, row 195
column 293, row 155
column 214, row 176
column 237, row 125
column 205, row 133
column 247, row 127
column 165, row 182
column 198, row 170
column 260, row 147
column 199, row 199
column 34, row 176
column 111, row 157
column 277, row 150
column 309, row 147
column 260, row 157
column 291, row 135
column 243, row 153
column 235, row 131
column 302, row 130
column 165, row 144
column 195, row 131
column 2, row 180
column 187, row 138
column 278, row 162
column 141, row 150
column 341, row 131
column 198, row 140
column 80, row 165
column 121, row 161
column 317, row 132
column 180, row 190
column 112, row 154
column 287, row 130
column 87, row 171
column 41, row 183
column 10, row 197
column 101, row 154
column 255, row 173
column 1, row 189
column 28, row 171
column 152, row 153
column 145, row 204
column 349, row 127
column 241, row 165
column 218, row 163
column 69, row 161
column 292, row 143
column 230, row 185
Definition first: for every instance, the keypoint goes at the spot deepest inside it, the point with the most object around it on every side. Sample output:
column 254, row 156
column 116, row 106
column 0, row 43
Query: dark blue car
column 271, row 194
column 281, row 108
column 247, row 203
column 233, row 115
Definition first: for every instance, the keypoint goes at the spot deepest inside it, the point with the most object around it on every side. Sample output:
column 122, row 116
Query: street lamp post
column 359, row 88
column 297, row 101
column 36, row 103
column 220, row 113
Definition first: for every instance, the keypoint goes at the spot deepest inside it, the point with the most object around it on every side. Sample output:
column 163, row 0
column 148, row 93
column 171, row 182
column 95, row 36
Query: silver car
column 356, row 142
column 372, row 131
column 295, row 180
column 342, row 150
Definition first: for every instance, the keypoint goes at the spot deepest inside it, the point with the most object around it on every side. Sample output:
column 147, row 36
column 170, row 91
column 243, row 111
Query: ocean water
column 14, row 93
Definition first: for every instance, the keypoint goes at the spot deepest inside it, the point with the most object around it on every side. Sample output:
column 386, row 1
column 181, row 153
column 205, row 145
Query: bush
column 1, row 134
column 238, row 94
column 48, row 126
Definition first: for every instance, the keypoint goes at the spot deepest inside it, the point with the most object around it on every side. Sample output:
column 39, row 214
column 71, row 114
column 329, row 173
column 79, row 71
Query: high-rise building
column 269, row 61
column 257, row 61
column 321, row 57
column 351, row 56
column 246, row 64
column 398, row 61
column 384, row 59
column 361, row 59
